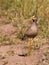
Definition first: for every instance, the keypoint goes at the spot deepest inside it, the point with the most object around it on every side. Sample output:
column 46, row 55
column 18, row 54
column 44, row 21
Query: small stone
column 22, row 50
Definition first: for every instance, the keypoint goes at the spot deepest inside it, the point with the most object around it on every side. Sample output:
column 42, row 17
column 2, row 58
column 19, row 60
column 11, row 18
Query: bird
column 32, row 30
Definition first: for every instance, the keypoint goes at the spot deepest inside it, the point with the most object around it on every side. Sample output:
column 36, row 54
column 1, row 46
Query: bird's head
column 34, row 18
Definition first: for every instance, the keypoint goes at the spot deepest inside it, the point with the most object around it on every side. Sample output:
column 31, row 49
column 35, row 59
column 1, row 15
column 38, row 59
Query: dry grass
column 16, row 11
column 20, row 9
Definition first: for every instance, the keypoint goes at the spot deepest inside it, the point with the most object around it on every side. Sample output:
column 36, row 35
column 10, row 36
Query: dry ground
column 9, row 52
column 8, row 56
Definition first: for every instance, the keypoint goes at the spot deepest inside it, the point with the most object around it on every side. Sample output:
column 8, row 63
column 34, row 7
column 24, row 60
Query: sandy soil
column 9, row 56
column 9, row 53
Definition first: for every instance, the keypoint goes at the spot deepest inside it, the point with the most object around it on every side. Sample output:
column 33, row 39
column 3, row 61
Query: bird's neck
column 34, row 23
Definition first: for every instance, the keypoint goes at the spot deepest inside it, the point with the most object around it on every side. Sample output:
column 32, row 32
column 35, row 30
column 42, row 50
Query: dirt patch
column 9, row 56
column 7, row 29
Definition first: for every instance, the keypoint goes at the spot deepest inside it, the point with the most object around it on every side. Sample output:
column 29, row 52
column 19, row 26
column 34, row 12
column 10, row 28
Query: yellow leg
column 30, row 43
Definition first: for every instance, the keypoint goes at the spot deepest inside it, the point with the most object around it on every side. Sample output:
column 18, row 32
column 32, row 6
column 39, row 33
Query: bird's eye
column 33, row 20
